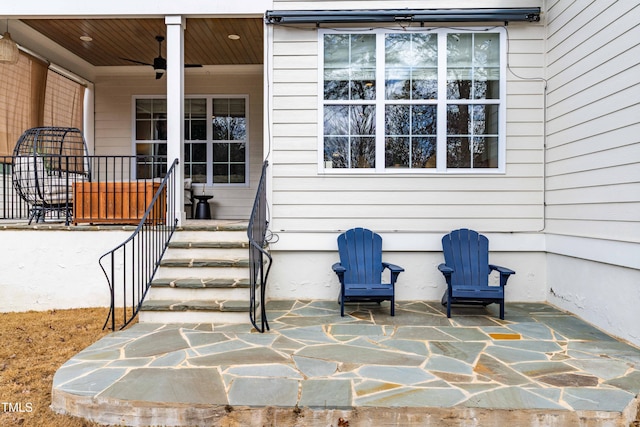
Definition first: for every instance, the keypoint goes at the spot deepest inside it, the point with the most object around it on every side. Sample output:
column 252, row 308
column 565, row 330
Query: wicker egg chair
column 47, row 162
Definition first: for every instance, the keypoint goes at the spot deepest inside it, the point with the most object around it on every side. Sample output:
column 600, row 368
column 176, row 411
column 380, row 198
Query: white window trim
column 209, row 141
column 441, row 148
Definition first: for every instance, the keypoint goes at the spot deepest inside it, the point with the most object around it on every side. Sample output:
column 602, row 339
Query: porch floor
column 540, row 366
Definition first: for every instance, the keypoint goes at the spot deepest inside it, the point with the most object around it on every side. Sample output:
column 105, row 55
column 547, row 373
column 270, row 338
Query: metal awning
column 402, row 15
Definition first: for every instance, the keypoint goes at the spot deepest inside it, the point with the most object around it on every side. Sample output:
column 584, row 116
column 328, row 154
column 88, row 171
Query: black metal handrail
column 45, row 188
column 130, row 267
column 257, row 233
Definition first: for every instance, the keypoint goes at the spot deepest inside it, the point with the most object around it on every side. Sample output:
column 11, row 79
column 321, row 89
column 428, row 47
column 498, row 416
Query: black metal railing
column 12, row 206
column 259, row 259
column 79, row 189
column 130, row 267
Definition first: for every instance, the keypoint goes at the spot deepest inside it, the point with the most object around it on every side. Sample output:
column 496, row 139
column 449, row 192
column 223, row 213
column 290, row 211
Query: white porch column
column 175, row 105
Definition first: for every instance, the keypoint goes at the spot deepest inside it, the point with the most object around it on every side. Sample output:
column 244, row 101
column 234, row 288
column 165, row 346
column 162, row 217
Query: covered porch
column 540, row 366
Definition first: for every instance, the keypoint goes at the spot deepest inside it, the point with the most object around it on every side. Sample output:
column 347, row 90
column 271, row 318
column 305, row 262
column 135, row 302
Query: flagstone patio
column 540, row 366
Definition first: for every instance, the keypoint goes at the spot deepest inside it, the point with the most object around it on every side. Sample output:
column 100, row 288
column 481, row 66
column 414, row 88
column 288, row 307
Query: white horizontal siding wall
column 304, row 199
column 593, row 168
column 113, row 119
column 411, row 211
column 593, row 184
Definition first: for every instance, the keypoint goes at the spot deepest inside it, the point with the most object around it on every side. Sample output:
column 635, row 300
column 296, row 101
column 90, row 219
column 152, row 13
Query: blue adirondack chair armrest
column 395, row 270
column 445, row 269
column 504, row 273
column 339, row 270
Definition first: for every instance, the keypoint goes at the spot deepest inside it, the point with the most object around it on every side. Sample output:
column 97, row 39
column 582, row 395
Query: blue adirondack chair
column 466, row 270
column 360, row 269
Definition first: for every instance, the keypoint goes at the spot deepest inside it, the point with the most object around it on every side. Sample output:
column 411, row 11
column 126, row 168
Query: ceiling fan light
column 8, row 49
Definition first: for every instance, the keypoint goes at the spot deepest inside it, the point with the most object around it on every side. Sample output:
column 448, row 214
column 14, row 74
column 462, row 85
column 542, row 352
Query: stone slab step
column 196, row 305
column 194, row 317
column 197, row 283
column 201, row 272
column 219, row 236
column 209, row 253
column 196, row 294
column 203, row 263
column 189, row 244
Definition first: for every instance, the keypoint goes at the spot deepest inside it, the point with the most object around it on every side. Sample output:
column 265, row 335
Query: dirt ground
column 33, row 346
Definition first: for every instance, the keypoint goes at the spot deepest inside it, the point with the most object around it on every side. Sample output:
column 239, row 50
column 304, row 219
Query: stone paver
column 537, row 359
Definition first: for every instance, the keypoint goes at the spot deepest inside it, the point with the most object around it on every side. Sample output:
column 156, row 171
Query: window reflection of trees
column 410, row 136
column 349, row 136
column 411, row 80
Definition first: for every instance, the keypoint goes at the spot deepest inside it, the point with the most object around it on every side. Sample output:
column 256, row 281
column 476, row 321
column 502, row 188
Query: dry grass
column 34, row 346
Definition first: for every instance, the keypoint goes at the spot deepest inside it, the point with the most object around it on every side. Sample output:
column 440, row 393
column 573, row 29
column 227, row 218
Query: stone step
column 198, row 294
column 208, row 244
column 204, row 263
column 203, row 277
column 194, row 311
column 196, row 283
column 204, row 273
column 177, row 252
column 204, row 236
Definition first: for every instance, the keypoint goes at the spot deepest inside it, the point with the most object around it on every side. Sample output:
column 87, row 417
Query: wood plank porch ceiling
column 206, row 39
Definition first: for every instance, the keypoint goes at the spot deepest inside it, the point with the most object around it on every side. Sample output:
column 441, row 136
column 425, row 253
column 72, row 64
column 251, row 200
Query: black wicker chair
column 47, row 162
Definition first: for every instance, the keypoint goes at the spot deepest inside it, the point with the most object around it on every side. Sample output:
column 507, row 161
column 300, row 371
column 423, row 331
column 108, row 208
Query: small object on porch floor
column 466, row 270
column 203, row 211
column 360, row 269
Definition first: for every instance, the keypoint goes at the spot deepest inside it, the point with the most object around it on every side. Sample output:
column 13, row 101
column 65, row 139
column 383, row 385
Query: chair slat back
column 468, row 253
column 361, row 254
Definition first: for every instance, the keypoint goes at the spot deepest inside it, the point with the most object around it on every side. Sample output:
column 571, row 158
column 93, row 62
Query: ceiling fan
column 160, row 63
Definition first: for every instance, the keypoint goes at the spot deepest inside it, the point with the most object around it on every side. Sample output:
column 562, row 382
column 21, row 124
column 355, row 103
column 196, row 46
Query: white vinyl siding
column 304, row 199
column 593, row 126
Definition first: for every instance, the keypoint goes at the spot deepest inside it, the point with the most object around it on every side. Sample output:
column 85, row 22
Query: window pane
column 363, row 120
column 237, row 128
column 349, row 66
column 220, row 128
column 144, row 109
column 363, row 152
column 406, row 142
column 458, row 153
column 472, row 119
column 411, row 66
column 198, row 130
column 236, row 175
column 199, row 173
column 423, row 119
column 397, row 152
column 336, row 152
column 236, row 152
column 396, row 119
column 485, row 119
column 220, row 152
column 485, row 152
column 336, row 120
column 423, row 152
column 473, row 66
column 221, row 173
column 458, row 119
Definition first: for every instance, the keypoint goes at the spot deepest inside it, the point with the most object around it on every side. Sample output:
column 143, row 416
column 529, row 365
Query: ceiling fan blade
column 136, row 62
column 192, row 65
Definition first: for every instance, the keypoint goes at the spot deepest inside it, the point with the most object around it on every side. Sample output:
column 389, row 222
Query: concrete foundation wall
column 57, row 269
column 308, row 275
column 604, row 295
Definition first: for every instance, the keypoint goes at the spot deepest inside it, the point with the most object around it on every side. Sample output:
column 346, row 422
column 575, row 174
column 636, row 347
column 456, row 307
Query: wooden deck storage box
column 116, row 202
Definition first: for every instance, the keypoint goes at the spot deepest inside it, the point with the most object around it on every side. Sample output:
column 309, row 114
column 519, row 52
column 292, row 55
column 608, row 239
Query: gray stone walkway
column 540, row 366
